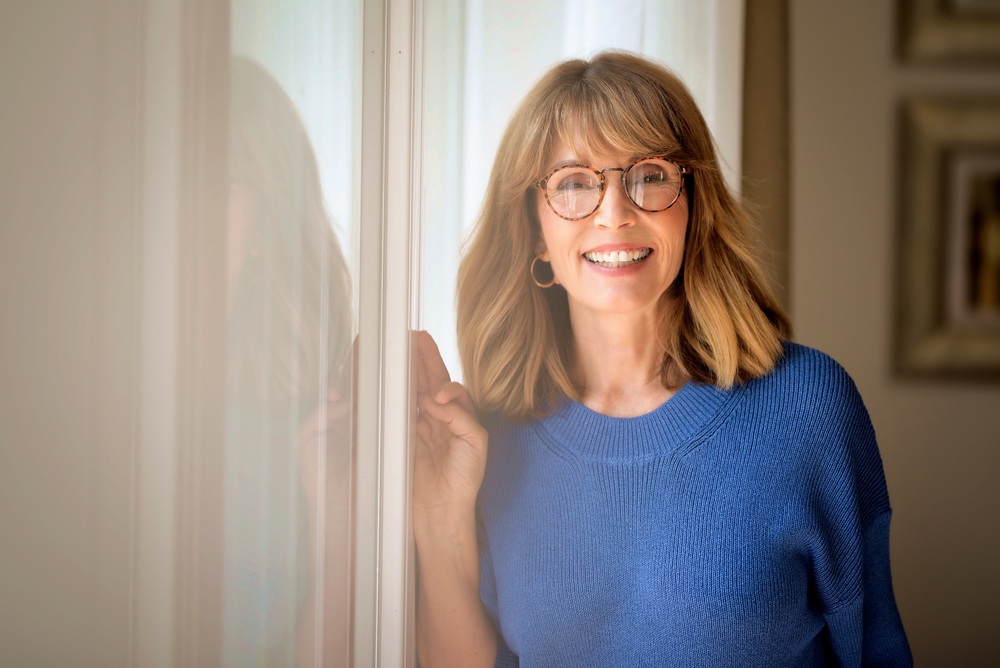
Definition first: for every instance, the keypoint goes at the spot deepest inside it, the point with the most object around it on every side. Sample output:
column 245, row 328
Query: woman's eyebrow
column 568, row 162
column 572, row 161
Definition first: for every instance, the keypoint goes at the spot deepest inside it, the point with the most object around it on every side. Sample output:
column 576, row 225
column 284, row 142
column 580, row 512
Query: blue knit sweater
column 747, row 527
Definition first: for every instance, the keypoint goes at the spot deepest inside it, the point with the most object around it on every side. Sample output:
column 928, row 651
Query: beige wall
column 66, row 346
column 112, row 319
column 940, row 440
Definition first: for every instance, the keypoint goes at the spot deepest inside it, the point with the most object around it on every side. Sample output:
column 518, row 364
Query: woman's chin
column 617, row 302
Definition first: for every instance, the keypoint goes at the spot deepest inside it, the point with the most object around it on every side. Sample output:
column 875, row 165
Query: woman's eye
column 573, row 183
column 654, row 173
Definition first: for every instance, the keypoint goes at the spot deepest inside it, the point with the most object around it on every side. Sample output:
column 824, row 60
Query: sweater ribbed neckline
column 592, row 435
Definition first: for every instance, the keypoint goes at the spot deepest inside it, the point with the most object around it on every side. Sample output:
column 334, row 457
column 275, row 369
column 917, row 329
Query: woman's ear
column 541, row 251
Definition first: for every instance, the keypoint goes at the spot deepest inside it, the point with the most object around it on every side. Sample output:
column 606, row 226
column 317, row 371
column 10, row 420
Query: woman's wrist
column 444, row 523
column 449, row 562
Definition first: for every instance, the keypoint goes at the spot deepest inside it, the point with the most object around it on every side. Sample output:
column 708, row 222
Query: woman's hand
column 451, row 446
column 326, row 427
column 453, row 628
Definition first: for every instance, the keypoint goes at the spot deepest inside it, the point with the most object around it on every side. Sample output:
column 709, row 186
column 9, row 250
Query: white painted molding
column 402, row 161
column 368, row 431
column 384, row 558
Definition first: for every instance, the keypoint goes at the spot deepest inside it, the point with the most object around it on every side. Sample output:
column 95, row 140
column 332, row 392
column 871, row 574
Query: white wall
column 940, row 440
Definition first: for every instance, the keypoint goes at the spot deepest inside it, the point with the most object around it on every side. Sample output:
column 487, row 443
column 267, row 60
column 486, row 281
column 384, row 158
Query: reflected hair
column 719, row 321
column 293, row 293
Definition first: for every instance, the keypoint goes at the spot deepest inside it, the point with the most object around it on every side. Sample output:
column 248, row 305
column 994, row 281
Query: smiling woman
column 718, row 323
column 667, row 480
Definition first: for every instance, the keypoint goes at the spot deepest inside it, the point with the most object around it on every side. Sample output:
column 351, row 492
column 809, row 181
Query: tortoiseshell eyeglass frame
column 543, row 182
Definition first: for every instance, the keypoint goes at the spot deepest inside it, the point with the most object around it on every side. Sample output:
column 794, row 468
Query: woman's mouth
column 616, row 259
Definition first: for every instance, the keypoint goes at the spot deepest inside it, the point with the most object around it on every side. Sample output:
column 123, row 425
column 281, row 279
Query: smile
column 616, row 259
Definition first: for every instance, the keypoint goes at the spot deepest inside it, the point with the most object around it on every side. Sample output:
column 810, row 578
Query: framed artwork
column 949, row 30
column 948, row 309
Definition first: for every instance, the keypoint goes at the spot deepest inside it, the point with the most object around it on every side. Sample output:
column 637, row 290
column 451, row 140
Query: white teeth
column 617, row 258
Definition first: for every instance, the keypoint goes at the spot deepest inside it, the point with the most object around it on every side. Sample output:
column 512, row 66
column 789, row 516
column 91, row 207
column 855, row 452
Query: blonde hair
column 719, row 324
column 293, row 295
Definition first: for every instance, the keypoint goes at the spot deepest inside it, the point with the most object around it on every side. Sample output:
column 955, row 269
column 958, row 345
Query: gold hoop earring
column 531, row 270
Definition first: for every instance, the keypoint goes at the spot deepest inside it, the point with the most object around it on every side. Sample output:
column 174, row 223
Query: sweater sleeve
column 488, row 593
column 867, row 631
column 852, row 556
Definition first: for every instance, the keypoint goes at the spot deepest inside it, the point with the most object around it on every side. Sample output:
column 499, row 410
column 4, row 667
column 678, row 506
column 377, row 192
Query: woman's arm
column 453, row 628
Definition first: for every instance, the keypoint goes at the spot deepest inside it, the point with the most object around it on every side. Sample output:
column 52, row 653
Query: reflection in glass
column 288, row 452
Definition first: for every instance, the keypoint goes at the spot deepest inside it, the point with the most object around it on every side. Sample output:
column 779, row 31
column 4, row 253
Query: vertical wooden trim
column 726, row 74
column 396, row 648
column 370, row 342
column 202, row 328
column 384, row 564
column 766, row 134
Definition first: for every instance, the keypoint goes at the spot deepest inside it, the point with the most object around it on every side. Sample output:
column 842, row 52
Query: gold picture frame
column 948, row 281
column 949, row 30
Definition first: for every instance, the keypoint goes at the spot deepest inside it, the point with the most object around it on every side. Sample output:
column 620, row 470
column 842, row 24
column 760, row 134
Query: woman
column 667, row 481
column 289, row 390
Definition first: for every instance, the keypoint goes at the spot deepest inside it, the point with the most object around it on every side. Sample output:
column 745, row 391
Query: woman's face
column 577, row 248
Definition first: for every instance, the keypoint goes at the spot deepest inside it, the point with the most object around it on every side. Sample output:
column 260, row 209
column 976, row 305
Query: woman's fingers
column 458, row 421
column 437, row 372
column 337, row 408
column 450, row 456
column 433, row 377
column 451, row 444
column 455, row 392
column 431, row 428
column 423, row 382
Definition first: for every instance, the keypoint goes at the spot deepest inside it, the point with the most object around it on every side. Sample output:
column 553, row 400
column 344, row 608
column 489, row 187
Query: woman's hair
column 719, row 321
column 291, row 309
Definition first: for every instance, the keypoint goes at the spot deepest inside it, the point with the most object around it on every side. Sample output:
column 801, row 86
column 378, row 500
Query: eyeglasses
column 576, row 191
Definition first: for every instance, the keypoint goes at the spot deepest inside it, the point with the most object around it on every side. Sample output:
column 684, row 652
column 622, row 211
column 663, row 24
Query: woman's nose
column 616, row 210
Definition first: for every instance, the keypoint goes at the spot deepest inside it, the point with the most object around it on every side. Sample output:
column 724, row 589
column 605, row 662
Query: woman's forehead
column 589, row 153
column 585, row 136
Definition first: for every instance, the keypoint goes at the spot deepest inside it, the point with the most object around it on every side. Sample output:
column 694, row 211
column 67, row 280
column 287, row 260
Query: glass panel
column 292, row 236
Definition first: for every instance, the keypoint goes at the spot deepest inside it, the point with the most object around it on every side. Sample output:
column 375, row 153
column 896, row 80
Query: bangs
column 612, row 112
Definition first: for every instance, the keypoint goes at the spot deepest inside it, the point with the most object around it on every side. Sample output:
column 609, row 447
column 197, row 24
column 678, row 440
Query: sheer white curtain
column 482, row 56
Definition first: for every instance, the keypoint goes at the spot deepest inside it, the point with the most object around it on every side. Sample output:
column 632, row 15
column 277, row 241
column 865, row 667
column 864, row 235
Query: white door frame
column 388, row 272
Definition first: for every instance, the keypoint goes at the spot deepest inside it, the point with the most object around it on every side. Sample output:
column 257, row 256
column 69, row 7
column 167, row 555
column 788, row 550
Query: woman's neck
column 618, row 362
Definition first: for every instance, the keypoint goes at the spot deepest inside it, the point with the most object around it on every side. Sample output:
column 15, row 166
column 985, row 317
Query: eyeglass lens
column 575, row 192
